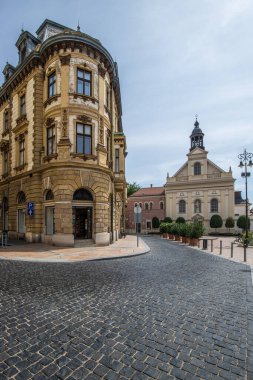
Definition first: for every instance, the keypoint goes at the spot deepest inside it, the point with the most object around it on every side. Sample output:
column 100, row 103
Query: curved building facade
column 62, row 144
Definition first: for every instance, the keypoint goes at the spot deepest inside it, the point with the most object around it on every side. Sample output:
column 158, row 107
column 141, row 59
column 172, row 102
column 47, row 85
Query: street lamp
column 245, row 161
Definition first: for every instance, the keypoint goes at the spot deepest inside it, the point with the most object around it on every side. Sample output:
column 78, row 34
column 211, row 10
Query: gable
column 212, row 168
column 183, row 171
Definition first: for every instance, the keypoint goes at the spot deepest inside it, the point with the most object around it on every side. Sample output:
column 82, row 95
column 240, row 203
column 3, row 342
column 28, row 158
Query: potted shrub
column 171, row 236
column 164, row 230
column 196, row 232
column 176, row 231
column 183, row 228
column 188, row 233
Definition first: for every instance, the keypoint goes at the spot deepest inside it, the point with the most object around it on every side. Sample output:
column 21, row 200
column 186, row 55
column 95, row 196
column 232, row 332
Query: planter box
column 194, row 242
column 184, row 239
column 177, row 238
column 171, row 237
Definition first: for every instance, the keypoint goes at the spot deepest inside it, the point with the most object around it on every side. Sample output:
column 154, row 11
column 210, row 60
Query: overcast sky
column 176, row 58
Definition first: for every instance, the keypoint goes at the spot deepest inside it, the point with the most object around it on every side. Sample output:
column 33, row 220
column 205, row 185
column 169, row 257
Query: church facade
column 62, row 158
column 200, row 188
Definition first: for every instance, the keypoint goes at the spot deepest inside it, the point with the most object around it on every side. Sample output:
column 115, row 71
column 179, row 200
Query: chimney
column 151, row 185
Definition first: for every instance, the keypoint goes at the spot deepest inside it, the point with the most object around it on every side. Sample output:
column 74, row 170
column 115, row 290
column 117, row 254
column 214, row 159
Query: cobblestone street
column 174, row 313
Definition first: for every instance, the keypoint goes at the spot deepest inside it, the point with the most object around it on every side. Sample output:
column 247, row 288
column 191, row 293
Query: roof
column 238, row 198
column 148, row 191
column 53, row 23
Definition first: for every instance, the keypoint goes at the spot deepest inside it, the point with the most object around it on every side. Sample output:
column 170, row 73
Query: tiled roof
column 147, row 191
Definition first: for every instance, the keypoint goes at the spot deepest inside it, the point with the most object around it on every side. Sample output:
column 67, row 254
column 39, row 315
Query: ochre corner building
column 62, row 144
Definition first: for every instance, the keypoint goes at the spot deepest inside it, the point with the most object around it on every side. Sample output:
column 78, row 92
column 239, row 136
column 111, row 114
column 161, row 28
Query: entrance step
column 79, row 243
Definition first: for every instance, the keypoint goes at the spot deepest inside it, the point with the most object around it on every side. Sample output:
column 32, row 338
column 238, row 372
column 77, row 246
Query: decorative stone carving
column 101, row 131
column 101, row 69
column 64, row 132
column 49, row 121
column 65, row 59
column 84, row 118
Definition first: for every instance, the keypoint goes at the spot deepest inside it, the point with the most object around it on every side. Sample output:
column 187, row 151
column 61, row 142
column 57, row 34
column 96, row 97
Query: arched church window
column 182, row 206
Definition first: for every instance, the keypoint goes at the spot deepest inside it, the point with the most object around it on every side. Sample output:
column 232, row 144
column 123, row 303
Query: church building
column 200, row 188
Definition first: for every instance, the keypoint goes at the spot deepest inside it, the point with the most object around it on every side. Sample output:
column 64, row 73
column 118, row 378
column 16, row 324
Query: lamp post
column 245, row 161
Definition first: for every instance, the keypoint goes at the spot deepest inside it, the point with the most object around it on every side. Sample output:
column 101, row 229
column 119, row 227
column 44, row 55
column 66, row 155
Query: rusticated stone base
column 63, row 240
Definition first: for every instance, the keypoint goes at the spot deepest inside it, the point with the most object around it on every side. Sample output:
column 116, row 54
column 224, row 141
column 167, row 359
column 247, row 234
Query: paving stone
column 175, row 313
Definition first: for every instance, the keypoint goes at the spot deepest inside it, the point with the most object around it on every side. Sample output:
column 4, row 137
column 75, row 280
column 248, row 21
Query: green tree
column 216, row 221
column 132, row 188
column 155, row 222
column 241, row 222
column 180, row 219
column 230, row 223
column 167, row 219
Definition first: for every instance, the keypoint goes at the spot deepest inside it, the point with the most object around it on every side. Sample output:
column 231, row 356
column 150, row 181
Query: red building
column 152, row 201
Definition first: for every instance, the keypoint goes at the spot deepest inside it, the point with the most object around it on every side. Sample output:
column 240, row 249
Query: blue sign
column 30, row 208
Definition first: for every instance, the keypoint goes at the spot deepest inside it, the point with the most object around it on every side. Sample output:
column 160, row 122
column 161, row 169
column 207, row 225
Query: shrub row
column 192, row 230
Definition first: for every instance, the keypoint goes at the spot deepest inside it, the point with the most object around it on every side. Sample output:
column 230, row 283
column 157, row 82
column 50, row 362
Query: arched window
column 197, row 168
column 214, row 205
column 140, row 204
column 161, row 205
column 5, row 204
column 136, row 204
column 21, row 198
column 82, row 195
column 146, row 205
column 151, row 205
column 182, row 206
column 197, row 206
column 49, row 196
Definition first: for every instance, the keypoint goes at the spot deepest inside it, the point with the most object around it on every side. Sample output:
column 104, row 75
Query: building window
column 161, row 206
column 21, row 152
column 49, row 195
column 148, row 224
column 52, row 85
column 21, row 198
column 151, row 205
column 50, row 140
column 140, row 204
column 214, row 205
column 83, row 82
column 136, row 204
column 83, row 138
column 182, row 206
column 146, row 206
column 22, row 105
column 197, row 206
column 6, row 120
column 5, row 161
column 108, row 148
column 197, row 168
column 116, row 160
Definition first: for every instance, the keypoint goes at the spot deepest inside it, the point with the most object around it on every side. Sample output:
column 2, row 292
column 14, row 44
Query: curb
column 145, row 250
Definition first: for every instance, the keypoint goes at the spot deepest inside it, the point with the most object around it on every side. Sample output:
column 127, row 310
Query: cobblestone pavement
column 174, row 313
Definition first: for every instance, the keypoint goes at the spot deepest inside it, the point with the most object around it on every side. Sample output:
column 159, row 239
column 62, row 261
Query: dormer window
column 22, row 105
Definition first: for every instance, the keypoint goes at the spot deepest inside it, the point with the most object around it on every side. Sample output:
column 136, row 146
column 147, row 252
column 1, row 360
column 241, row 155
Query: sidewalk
column 238, row 252
column 46, row 253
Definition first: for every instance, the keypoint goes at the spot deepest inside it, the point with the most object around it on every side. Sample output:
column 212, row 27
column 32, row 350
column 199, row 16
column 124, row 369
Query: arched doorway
column 82, row 214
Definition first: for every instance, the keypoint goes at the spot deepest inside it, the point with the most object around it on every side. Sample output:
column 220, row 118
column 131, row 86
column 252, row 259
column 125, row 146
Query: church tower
column 197, row 137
